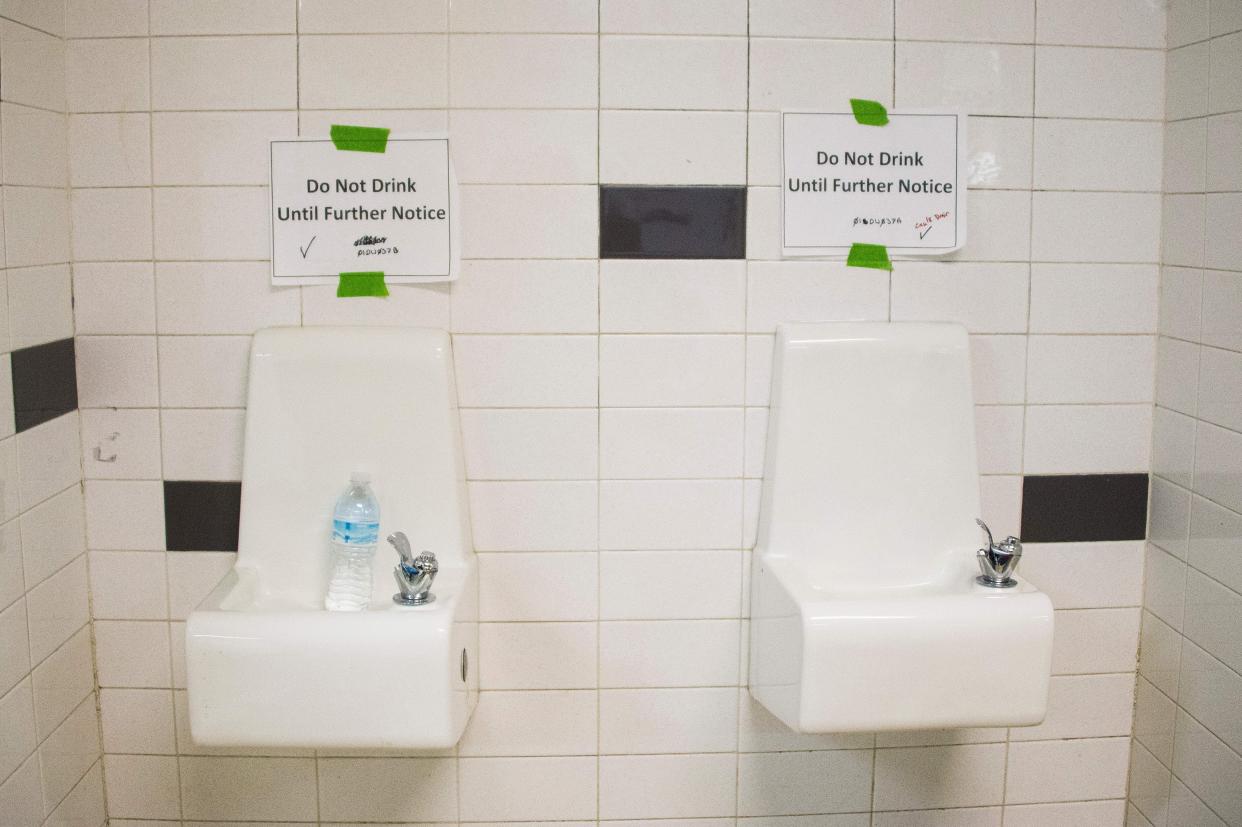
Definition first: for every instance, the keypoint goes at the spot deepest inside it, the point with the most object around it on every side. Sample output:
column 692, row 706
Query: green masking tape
column 361, row 284
column 359, row 138
column 868, row 113
column 874, row 256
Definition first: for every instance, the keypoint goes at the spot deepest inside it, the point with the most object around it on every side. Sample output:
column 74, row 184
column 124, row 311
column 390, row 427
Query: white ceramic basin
column 955, row 655
column 865, row 615
column 267, row 672
column 266, row 664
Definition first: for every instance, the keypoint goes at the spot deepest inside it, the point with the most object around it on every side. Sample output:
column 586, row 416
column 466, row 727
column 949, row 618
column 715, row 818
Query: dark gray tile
column 45, row 383
column 201, row 516
column 1084, row 508
column 672, row 222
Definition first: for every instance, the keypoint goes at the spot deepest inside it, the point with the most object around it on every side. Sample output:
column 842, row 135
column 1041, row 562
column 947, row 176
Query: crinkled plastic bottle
column 355, row 533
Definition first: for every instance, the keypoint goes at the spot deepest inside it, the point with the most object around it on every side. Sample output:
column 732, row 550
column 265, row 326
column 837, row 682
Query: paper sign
column 391, row 212
column 899, row 185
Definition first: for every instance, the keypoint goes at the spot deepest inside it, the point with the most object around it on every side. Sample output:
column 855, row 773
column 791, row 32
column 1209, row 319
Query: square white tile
column 110, row 150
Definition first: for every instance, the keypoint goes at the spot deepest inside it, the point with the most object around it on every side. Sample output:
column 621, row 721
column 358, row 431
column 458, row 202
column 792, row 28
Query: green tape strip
column 361, row 284
column 868, row 113
column 359, row 138
column 874, row 256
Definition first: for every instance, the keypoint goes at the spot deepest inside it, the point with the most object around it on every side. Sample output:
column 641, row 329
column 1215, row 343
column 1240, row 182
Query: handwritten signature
column 925, row 225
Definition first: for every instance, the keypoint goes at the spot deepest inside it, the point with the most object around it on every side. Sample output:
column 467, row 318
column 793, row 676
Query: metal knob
column 414, row 575
column 997, row 561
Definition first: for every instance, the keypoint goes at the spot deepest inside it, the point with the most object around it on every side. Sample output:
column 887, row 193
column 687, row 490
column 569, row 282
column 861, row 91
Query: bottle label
column 355, row 534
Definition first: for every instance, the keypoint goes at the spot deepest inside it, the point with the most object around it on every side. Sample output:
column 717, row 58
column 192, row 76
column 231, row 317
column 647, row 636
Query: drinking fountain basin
column 866, row 614
column 274, row 671
column 937, row 656
column 267, row 665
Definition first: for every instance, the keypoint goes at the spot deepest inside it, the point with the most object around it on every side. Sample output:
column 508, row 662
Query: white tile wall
column 1008, row 21
column 613, row 412
column 946, row 75
column 556, row 72
column 653, row 147
column 371, row 71
column 107, row 75
column 223, row 73
column 789, row 73
column 1124, row 83
column 672, row 73
column 1186, row 751
column 672, row 296
column 654, row 17
column 540, row 146
column 50, row 752
column 1104, row 23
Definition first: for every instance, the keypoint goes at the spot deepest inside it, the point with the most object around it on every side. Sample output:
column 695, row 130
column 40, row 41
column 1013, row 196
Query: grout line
column 627, row 35
column 168, row 624
column 1026, row 362
column 715, row 620
column 1155, row 121
column 81, row 462
column 743, row 625
column 967, row 263
column 448, row 131
column 599, row 414
column 64, row 37
column 580, row 333
column 414, row 754
column 297, row 83
column 581, row 185
column 297, row 68
column 889, row 277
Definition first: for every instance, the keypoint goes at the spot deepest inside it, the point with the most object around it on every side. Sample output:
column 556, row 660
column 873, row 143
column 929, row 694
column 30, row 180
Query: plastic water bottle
column 355, row 532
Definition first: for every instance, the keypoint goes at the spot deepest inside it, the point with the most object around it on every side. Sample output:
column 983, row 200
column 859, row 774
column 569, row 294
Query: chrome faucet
column 997, row 561
column 413, row 574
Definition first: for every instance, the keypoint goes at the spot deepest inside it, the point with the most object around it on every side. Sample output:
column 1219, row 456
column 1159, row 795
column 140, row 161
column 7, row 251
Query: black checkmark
column 308, row 246
column 925, row 232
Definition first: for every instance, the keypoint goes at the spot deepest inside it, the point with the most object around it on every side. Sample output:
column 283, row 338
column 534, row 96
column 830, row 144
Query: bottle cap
column 360, row 478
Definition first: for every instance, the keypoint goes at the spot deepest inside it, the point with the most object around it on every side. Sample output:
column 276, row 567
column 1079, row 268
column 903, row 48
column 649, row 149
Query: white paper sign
column 901, row 185
column 337, row 211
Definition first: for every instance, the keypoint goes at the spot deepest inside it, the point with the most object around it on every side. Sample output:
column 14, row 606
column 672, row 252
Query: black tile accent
column 1084, row 508
column 201, row 516
column 672, row 222
column 45, row 383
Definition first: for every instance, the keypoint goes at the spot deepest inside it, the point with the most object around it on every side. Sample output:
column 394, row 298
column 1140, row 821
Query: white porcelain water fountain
column 866, row 611
column 266, row 664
